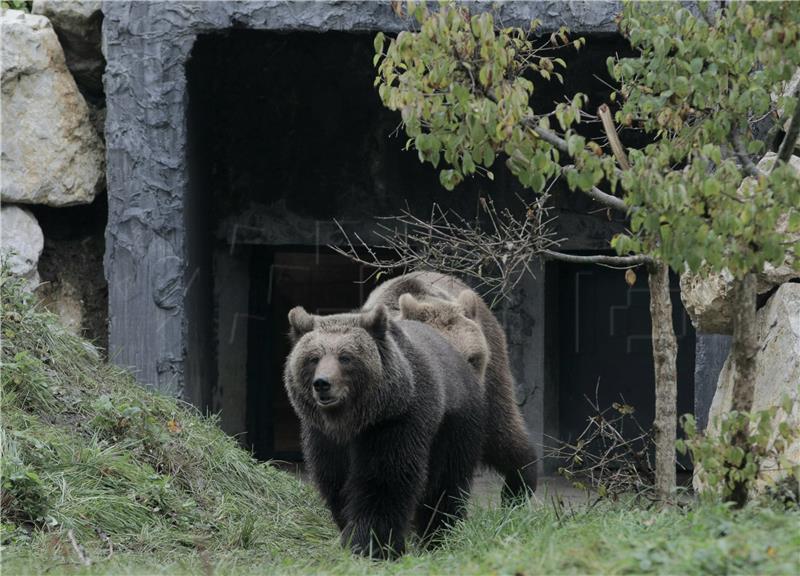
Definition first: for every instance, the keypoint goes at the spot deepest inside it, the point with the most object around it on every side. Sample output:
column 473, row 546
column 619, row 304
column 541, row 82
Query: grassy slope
column 85, row 449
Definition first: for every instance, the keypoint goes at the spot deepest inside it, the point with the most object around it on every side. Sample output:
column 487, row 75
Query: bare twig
column 611, row 455
column 495, row 251
column 613, row 138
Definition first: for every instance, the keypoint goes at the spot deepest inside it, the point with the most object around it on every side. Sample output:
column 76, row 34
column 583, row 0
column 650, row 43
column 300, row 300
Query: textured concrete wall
column 523, row 318
column 146, row 45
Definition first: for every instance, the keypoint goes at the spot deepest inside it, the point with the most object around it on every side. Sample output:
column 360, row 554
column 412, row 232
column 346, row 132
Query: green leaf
column 378, row 42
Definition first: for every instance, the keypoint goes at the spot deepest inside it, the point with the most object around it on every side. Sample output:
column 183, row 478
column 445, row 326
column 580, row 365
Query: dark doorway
column 605, row 345
column 281, row 278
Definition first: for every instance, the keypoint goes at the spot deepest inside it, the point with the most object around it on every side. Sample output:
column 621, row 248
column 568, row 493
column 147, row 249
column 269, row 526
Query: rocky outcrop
column 777, row 370
column 78, row 26
column 22, row 242
column 708, row 299
column 51, row 153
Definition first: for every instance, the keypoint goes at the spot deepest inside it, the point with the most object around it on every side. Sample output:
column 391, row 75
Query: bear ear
column 300, row 322
column 411, row 308
column 468, row 301
column 376, row 321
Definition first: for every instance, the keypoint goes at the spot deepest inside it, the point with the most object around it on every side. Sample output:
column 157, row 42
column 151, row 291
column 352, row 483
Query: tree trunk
column 665, row 352
column 745, row 344
column 743, row 354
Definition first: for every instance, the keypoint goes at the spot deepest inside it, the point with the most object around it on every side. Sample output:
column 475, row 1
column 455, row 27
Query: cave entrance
column 286, row 133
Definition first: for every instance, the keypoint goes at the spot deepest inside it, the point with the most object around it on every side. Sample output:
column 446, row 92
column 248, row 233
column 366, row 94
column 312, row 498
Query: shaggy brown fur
column 392, row 420
column 455, row 321
column 507, row 447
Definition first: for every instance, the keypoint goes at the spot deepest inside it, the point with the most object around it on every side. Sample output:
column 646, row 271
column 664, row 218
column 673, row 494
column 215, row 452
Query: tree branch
column 607, row 199
column 495, row 251
column 790, row 140
column 744, row 158
column 622, row 261
column 547, row 135
column 555, row 140
column 613, row 138
column 604, row 198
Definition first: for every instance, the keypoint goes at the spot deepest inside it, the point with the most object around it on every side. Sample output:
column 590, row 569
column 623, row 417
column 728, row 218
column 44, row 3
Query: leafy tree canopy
column 463, row 86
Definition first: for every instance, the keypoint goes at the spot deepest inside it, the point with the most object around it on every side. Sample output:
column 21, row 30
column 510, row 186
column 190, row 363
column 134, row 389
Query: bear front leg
column 388, row 474
column 328, row 463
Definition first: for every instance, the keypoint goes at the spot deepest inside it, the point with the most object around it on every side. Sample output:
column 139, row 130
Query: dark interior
column 604, row 341
column 323, row 283
column 286, row 133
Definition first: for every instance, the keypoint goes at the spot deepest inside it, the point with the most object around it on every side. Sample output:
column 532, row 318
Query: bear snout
column 322, row 385
column 324, row 393
column 326, row 387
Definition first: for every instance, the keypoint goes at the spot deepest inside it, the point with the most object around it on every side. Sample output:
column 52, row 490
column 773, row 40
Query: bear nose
column 321, row 385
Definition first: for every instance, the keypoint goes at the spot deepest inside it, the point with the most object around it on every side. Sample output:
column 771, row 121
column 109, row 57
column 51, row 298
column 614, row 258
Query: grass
column 145, row 485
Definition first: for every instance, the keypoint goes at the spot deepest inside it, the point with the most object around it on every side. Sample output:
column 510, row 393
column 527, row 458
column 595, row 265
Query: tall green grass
column 85, row 449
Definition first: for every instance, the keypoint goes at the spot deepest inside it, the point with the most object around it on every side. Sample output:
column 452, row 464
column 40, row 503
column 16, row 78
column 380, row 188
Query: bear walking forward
column 392, row 421
column 507, row 447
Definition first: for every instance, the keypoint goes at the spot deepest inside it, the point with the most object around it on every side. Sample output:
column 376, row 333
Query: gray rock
column 708, row 299
column 51, row 153
column 22, row 242
column 78, row 25
column 777, row 372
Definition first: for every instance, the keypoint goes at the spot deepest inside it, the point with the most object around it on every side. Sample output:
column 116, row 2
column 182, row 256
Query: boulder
column 708, row 298
column 777, row 372
column 79, row 28
column 22, row 242
column 51, row 153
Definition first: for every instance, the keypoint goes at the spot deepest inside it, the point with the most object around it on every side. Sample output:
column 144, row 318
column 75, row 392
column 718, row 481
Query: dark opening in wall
column 286, row 133
column 71, row 267
column 605, row 354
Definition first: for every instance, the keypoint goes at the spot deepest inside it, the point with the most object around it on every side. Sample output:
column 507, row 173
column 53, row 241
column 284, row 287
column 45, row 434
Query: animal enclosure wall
column 236, row 132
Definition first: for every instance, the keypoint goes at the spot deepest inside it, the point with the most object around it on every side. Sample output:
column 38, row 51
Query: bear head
column 455, row 320
column 335, row 375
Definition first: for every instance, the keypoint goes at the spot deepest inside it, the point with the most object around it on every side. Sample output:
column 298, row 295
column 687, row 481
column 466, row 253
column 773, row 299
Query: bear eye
column 312, row 359
column 474, row 359
column 345, row 358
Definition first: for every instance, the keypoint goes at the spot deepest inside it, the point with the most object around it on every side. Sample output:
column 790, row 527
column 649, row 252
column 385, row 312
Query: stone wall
column 53, row 161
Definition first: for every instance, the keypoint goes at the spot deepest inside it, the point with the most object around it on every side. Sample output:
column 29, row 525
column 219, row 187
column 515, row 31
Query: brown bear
column 455, row 321
column 392, row 419
column 507, row 447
